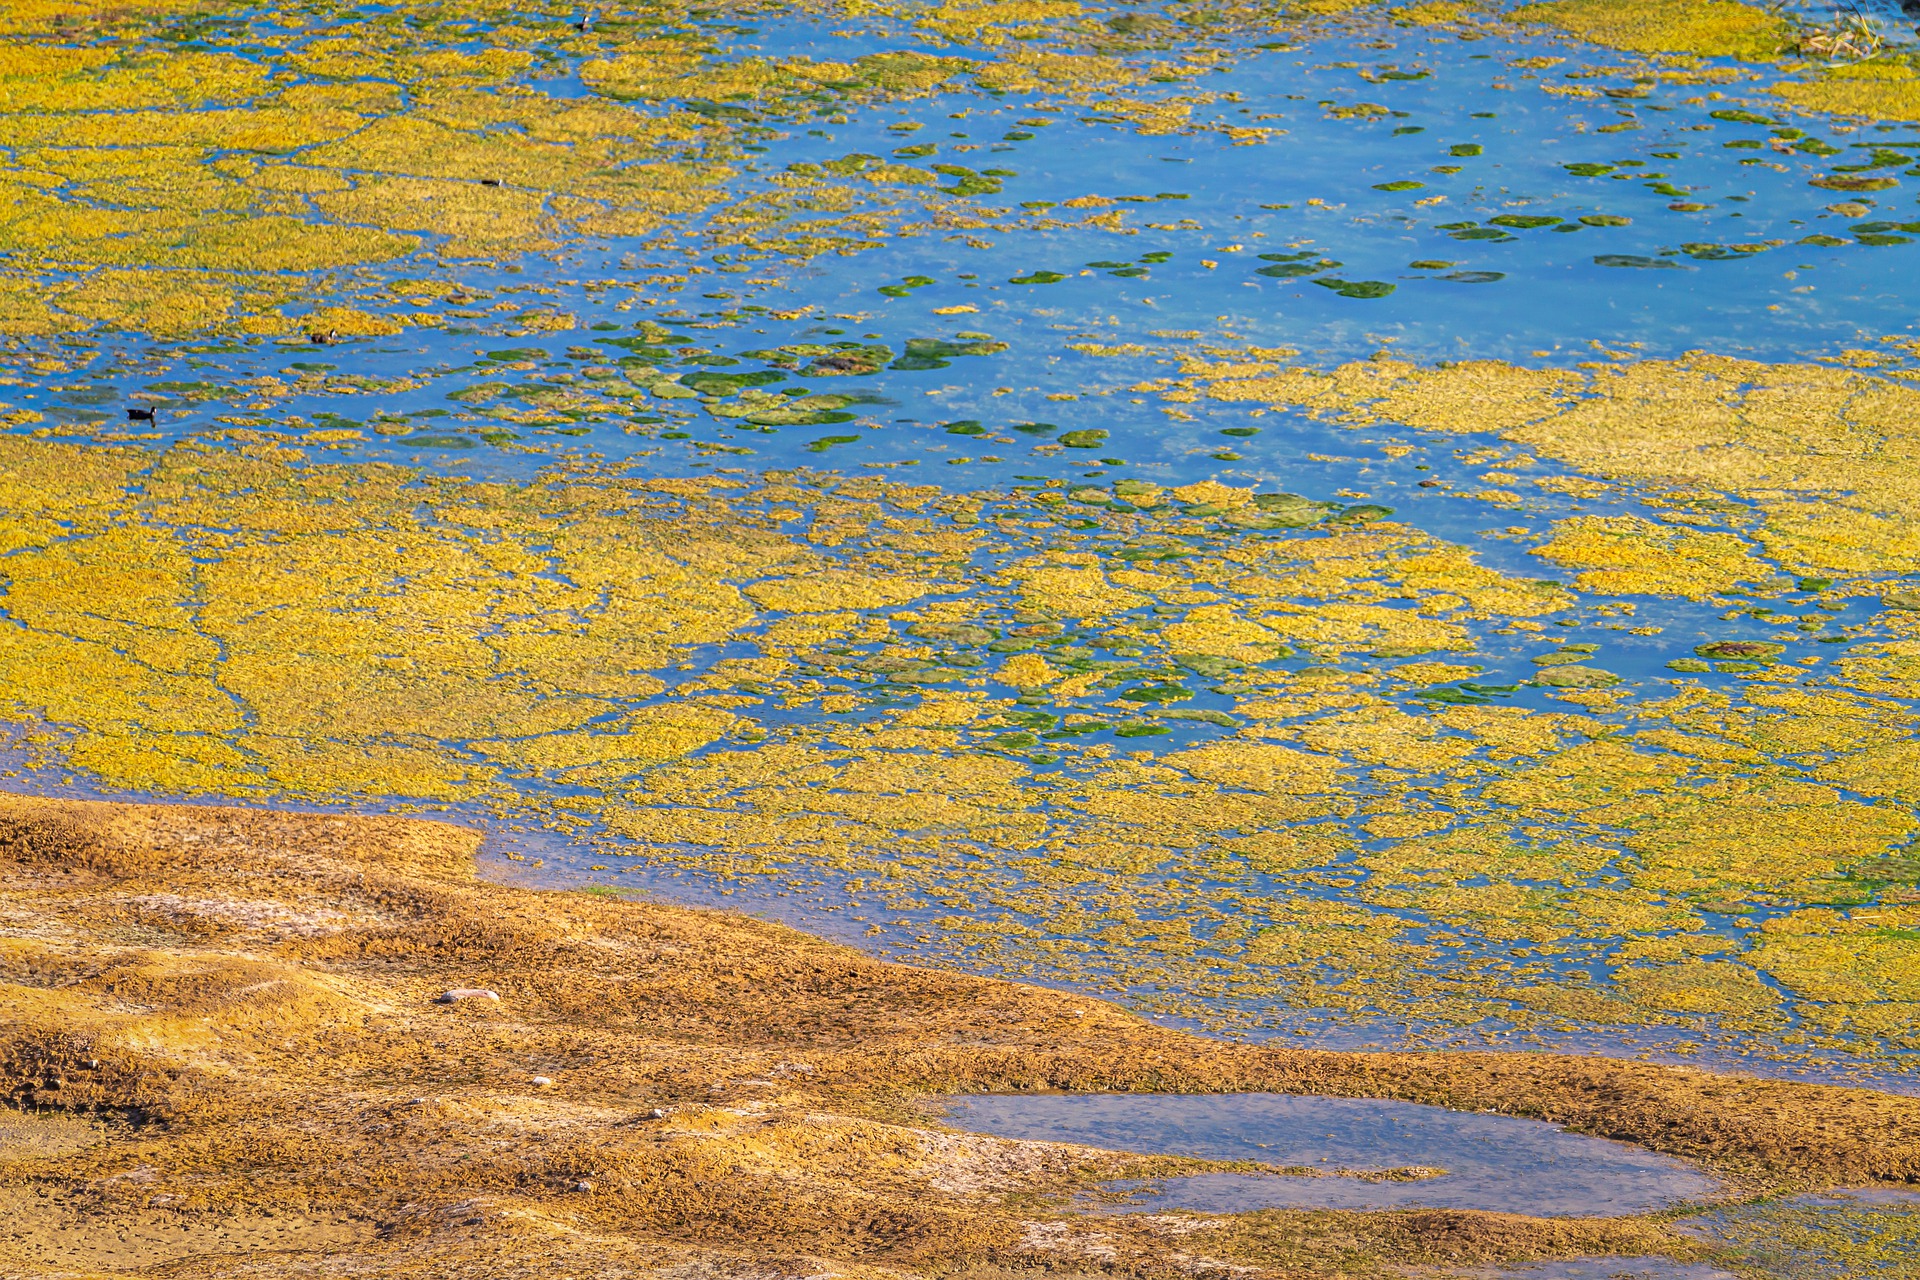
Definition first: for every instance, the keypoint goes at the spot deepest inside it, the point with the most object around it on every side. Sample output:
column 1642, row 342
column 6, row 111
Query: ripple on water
column 1493, row 1162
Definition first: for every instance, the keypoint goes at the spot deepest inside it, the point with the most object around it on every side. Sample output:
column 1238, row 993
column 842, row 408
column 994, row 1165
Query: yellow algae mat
column 958, row 709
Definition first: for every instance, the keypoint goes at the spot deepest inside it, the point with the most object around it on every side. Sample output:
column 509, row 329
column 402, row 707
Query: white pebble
column 543, row 1081
column 583, row 1186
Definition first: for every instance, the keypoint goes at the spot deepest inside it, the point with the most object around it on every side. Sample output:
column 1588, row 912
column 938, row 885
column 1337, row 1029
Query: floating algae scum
column 1337, row 526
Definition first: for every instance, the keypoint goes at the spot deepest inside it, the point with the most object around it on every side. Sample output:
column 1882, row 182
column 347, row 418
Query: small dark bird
column 586, row 21
column 140, row 415
column 489, row 182
column 319, row 339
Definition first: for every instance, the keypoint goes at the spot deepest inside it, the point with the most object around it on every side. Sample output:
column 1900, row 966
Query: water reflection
column 1491, row 1162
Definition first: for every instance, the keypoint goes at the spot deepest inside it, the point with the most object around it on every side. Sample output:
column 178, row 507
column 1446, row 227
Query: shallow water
column 1858, row 1234
column 1605, row 1269
column 1497, row 1163
column 1494, row 1163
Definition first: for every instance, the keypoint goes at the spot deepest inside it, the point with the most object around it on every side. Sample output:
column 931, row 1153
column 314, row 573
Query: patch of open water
column 1492, row 1162
column 1604, row 1269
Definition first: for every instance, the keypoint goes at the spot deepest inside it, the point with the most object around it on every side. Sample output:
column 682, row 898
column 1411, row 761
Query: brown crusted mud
column 226, row 1055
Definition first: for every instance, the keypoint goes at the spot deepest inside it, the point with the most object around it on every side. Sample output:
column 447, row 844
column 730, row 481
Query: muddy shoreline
column 242, row 1005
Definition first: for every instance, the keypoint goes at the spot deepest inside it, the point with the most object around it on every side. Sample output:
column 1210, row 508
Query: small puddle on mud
column 1493, row 1162
column 1603, row 1269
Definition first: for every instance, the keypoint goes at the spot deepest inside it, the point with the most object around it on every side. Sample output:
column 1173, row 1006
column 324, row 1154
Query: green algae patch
column 1741, row 650
column 1852, row 182
column 1713, row 28
column 1089, row 438
column 1576, row 677
column 1357, row 288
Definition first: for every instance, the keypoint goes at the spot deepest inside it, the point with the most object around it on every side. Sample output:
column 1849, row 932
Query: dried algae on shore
column 226, row 1021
